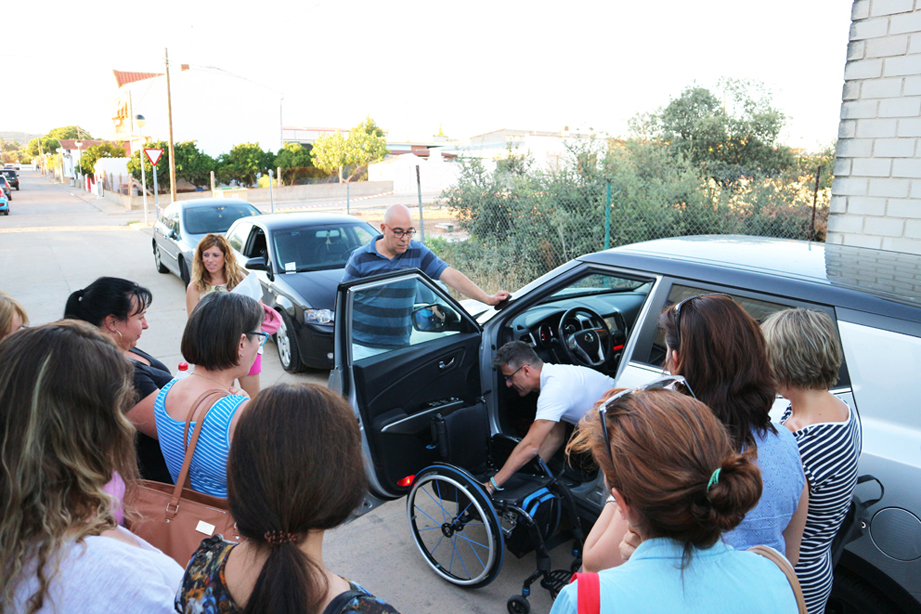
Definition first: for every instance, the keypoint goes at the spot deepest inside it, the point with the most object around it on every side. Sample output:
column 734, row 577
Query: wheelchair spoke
column 416, row 507
column 469, row 541
column 444, row 513
column 459, row 558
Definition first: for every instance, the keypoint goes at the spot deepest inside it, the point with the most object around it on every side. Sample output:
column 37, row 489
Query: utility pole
column 169, row 115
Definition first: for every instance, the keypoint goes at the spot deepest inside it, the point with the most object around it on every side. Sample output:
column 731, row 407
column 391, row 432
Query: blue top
column 783, row 479
column 381, row 316
column 717, row 580
column 208, row 471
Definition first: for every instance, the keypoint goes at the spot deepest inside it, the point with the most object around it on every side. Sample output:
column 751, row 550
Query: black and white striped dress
column 830, row 452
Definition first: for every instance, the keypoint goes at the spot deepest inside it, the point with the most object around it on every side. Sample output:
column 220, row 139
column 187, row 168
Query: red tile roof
column 123, row 77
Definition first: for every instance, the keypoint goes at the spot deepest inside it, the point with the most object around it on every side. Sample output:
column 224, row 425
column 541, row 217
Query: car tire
column 286, row 344
column 159, row 263
column 852, row 595
column 184, row 272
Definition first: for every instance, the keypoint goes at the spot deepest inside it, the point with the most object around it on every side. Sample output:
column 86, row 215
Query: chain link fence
column 519, row 224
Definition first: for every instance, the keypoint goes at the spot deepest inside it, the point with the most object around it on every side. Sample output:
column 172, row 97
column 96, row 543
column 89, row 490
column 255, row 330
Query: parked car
column 6, row 188
column 12, row 175
column 300, row 259
column 873, row 296
column 4, row 205
column 183, row 224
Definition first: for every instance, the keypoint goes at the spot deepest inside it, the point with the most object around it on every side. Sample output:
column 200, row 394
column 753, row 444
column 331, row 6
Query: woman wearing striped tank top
column 805, row 353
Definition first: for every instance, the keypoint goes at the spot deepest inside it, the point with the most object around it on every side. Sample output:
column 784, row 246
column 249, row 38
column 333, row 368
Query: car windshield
column 598, row 284
column 326, row 246
column 216, row 218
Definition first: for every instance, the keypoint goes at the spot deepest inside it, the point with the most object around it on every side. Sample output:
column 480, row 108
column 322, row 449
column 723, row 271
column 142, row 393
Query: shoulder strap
column 341, row 600
column 785, row 566
column 173, row 508
column 589, row 593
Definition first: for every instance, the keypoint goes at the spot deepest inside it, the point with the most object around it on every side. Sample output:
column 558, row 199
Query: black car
column 601, row 311
column 300, row 259
column 12, row 175
column 183, row 224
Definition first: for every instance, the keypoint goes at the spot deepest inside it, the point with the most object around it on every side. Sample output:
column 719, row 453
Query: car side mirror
column 435, row 319
column 257, row 264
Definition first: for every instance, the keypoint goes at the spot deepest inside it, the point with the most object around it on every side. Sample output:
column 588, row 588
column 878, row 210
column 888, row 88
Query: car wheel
column 157, row 261
column 851, row 595
column 184, row 272
column 286, row 344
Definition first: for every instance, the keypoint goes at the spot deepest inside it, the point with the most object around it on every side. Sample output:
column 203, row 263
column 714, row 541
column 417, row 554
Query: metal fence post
column 421, row 219
column 607, row 217
column 271, row 198
column 347, row 198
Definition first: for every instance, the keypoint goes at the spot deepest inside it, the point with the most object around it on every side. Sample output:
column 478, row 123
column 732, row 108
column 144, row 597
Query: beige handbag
column 176, row 519
column 785, row 566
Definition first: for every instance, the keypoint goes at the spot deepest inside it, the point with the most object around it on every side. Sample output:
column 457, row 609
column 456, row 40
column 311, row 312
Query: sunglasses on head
column 667, row 382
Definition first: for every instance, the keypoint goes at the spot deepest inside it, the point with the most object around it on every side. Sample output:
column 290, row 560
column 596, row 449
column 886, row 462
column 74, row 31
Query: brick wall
column 876, row 194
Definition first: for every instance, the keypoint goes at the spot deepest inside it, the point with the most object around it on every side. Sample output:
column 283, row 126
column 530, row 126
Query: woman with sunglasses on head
column 295, row 471
column 118, row 307
column 720, row 351
column 675, row 477
column 65, row 389
column 805, row 353
column 221, row 339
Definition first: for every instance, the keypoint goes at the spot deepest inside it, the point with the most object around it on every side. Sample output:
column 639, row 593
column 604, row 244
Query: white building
column 211, row 106
column 546, row 149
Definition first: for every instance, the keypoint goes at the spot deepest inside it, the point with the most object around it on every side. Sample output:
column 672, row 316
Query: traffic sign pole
column 154, row 156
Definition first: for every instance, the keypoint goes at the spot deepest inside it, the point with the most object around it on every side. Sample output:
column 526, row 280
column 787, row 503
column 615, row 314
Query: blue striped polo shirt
column 382, row 316
column 208, row 471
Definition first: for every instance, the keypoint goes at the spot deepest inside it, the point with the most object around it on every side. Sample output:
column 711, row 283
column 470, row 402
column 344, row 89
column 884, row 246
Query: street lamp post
column 79, row 145
column 140, row 121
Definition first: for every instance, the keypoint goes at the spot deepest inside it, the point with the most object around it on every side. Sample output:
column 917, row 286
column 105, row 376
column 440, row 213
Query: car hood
column 316, row 288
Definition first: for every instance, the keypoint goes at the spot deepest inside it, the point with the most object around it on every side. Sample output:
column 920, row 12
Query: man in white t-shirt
column 566, row 393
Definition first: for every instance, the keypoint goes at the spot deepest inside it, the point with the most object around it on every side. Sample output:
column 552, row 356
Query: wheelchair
column 463, row 532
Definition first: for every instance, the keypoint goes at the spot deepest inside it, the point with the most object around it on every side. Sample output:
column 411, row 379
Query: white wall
column 876, row 194
column 435, row 175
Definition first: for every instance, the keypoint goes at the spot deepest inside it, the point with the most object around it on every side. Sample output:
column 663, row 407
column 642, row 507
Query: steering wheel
column 585, row 337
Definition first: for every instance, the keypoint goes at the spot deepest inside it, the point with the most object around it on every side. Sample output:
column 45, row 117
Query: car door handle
column 442, row 365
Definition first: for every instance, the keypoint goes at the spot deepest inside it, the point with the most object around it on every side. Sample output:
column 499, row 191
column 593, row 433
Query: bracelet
column 610, row 499
column 492, row 481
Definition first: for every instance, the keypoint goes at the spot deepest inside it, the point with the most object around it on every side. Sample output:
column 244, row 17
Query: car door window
column 396, row 314
column 237, row 236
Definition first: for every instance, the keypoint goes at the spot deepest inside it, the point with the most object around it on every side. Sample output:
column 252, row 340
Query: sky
column 415, row 66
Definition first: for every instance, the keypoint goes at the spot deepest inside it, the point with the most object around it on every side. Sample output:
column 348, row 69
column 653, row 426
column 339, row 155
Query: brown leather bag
column 785, row 566
column 176, row 519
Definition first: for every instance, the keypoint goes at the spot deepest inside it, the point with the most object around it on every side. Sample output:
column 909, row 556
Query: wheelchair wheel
column 455, row 526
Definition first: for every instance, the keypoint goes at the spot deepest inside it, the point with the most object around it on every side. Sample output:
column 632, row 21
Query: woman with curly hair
column 64, row 390
column 674, row 476
column 12, row 315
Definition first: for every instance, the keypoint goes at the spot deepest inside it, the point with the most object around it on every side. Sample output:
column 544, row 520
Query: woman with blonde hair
column 12, row 315
column 675, row 477
column 215, row 269
column 805, row 354
column 64, row 390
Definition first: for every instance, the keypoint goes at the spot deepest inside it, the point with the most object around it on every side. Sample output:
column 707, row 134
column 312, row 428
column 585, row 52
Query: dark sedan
column 183, row 224
column 12, row 176
column 300, row 259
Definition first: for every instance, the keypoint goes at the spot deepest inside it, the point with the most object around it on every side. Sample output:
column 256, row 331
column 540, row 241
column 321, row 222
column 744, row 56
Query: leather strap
column 588, row 598
column 189, row 448
column 785, row 566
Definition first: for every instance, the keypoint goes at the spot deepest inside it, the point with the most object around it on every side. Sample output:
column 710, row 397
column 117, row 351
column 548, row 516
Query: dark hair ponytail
column 107, row 296
column 295, row 466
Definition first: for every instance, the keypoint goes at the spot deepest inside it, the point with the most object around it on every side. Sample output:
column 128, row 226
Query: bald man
column 394, row 250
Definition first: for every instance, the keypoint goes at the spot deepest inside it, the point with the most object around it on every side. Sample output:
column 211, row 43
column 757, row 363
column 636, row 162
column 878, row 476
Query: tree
column 292, row 159
column 104, row 150
column 243, row 163
column 365, row 144
column 52, row 141
column 727, row 139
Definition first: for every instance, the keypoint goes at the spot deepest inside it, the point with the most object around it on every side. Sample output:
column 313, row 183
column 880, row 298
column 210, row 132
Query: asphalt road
column 57, row 239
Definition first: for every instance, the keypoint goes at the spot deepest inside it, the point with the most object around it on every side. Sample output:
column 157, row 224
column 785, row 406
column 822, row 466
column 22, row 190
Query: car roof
column 843, row 275
column 210, row 202
column 279, row 221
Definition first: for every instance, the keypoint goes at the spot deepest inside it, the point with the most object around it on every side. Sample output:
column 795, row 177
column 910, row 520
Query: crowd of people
column 696, row 471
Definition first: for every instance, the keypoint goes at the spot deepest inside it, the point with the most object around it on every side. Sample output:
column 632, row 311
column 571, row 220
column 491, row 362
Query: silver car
column 183, row 224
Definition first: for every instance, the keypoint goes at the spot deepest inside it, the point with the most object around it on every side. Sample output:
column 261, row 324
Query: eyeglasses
column 399, row 233
column 509, row 377
column 678, row 313
column 668, row 382
column 265, row 336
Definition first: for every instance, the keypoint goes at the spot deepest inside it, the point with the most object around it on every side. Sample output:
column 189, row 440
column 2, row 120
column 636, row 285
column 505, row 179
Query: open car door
column 405, row 351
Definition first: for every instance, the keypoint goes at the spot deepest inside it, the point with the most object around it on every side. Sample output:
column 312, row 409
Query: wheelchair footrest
column 554, row 581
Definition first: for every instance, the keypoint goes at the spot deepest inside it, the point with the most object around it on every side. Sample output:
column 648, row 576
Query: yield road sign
column 153, row 155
